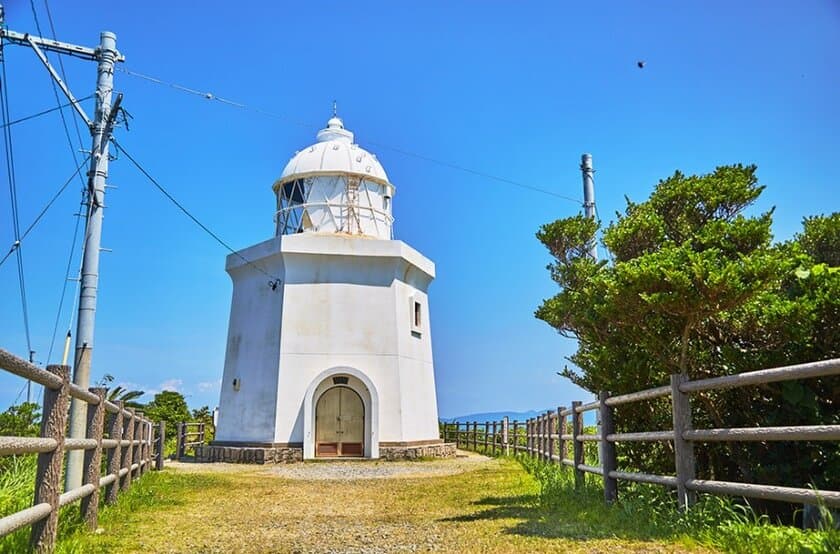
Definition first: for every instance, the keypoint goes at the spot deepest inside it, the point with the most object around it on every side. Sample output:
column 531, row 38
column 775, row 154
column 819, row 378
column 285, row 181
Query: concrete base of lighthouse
column 284, row 454
column 335, row 361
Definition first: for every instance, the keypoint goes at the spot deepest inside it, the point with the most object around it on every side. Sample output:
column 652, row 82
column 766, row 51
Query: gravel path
column 349, row 470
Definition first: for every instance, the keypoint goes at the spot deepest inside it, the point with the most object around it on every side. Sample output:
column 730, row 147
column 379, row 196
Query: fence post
column 546, row 436
column 475, row 436
column 683, row 449
column 551, row 439
column 486, row 433
column 179, row 444
column 140, row 434
column 92, row 468
column 608, row 459
column 561, row 428
column 115, row 454
column 544, row 441
column 493, row 443
column 533, row 436
column 128, row 452
column 506, row 435
column 138, row 437
column 161, row 441
column 528, row 436
column 515, row 437
column 577, row 446
column 147, row 447
column 48, row 473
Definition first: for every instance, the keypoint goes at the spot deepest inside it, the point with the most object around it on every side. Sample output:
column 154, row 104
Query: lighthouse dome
column 334, row 152
column 334, row 186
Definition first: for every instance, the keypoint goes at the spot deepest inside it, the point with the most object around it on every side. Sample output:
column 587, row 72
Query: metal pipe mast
column 100, row 127
column 589, row 197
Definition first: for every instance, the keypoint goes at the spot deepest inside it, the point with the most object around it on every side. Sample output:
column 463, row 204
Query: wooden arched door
column 339, row 423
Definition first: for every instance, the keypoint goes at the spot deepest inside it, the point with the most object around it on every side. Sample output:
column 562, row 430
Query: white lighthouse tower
column 335, row 359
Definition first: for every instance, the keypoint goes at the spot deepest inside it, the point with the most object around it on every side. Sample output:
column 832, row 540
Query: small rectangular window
column 415, row 307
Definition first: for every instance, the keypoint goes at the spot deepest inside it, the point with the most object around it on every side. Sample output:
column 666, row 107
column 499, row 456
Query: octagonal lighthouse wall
column 350, row 311
column 348, row 307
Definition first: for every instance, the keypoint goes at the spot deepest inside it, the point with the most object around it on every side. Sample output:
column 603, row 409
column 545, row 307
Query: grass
column 156, row 490
column 647, row 511
column 500, row 505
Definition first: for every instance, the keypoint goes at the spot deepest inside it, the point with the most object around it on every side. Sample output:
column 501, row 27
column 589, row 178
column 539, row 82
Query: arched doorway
column 339, row 423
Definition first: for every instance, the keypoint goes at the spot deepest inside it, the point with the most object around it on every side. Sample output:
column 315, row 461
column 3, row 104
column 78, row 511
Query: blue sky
column 515, row 90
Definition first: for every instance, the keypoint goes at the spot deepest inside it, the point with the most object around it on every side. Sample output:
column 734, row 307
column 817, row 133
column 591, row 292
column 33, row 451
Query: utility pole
column 589, row 197
column 101, row 126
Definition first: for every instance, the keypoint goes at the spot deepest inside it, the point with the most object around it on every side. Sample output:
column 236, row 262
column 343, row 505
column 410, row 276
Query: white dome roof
column 333, row 153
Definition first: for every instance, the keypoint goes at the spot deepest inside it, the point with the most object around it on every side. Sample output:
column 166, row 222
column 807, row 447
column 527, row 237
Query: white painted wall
column 344, row 305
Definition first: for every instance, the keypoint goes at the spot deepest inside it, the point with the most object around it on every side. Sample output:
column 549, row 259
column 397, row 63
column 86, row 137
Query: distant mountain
column 494, row 416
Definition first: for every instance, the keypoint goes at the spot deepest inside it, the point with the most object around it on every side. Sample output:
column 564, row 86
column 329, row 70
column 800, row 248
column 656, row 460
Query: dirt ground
column 468, row 504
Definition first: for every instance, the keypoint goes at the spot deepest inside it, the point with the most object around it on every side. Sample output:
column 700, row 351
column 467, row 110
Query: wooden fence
column 548, row 436
column 187, row 438
column 126, row 438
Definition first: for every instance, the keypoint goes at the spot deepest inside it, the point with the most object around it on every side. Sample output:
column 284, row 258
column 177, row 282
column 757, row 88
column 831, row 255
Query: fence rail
column 130, row 447
column 189, row 439
column 548, row 436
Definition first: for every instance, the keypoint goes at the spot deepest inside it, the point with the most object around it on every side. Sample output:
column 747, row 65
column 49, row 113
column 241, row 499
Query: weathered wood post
column 528, row 436
column 48, row 473
column 92, row 467
column 140, row 434
column 506, row 435
column 147, row 449
column 179, row 441
column 493, row 444
column 577, row 430
column 551, row 441
column 561, row 430
column 161, row 440
column 135, row 455
column 608, row 458
column 128, row 451
column 115, row 455
column 534, row 437
column 201, row 433
column 475, row 436
column 683, row 449
column 486, row 433
column 515, row 437
column 546, row 437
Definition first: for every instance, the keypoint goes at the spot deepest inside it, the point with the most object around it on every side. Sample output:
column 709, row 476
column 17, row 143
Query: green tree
column 170, row 407
column 696, row 286
column 22, row 420
column 205, row 416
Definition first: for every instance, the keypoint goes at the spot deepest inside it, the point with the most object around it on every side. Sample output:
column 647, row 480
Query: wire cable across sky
column 273, row 280
column 282, row 117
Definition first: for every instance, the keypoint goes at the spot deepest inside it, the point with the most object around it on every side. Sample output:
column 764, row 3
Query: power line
column 10, row 172
column 63, row 73
column 45, row 112
column 16, row 245
column 450, row 165
column 64, row 284
column 55, row 92
column 274, row 281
